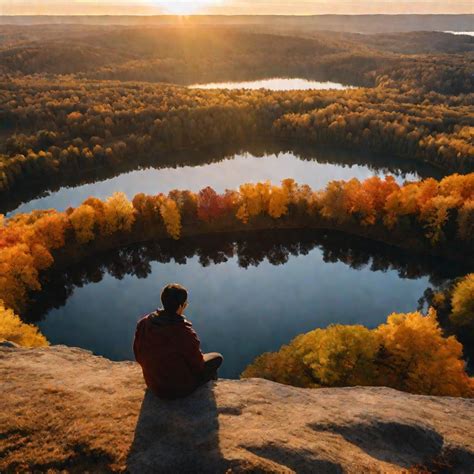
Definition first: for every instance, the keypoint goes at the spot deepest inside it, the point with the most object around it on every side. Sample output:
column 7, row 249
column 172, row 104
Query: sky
column 231, row 7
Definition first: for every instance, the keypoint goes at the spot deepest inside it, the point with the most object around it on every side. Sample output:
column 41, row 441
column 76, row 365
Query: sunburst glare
column 185, row 7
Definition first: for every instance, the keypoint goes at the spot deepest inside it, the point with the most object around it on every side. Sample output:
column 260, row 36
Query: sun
column 185, row 7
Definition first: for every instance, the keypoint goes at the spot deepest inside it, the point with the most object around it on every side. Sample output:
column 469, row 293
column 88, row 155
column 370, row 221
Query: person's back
column 168, row 349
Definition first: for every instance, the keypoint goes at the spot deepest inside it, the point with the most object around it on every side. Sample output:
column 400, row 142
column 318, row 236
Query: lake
column 274, row 84
column 315, row 168
column 249, row 293
column 467, row 33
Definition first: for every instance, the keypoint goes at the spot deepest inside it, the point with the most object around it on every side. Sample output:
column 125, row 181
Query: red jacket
column 168, row 350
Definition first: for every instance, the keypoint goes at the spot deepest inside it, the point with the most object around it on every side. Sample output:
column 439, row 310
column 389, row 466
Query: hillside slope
column 65, row 409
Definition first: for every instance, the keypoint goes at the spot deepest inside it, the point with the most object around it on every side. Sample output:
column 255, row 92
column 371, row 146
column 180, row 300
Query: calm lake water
column 230, row 173
column 468, row 33
column 274, row 84
column 248, row 294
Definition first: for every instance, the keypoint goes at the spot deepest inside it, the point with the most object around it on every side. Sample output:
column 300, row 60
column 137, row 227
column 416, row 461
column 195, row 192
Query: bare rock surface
column 66, row 409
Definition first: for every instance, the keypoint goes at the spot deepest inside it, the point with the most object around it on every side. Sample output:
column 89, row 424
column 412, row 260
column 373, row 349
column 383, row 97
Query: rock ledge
column 66, row 409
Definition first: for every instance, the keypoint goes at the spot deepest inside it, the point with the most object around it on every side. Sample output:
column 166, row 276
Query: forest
column 70, row 127
column 275, row 23
column 82, row 98
column 430, row 212
column 60, row 117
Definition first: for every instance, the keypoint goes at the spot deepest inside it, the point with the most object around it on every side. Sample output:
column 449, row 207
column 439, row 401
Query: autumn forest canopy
column 70, row 105
column 106, row 98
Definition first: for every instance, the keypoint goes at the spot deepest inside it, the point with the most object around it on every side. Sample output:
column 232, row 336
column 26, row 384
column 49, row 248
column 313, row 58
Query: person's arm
column 192, row 350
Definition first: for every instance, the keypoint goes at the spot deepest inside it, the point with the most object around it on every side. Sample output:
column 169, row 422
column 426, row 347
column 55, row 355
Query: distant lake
column 229, row 173
column 248, row 294
column 468, row 33
column 274, row 84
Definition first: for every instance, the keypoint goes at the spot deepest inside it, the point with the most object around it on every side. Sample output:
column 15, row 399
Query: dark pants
column 212, row 361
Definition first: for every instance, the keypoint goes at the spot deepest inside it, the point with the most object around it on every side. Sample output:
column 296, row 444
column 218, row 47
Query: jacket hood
column 160, row 317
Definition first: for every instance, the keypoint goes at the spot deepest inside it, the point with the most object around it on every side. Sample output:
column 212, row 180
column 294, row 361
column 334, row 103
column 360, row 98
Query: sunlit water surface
column 226, row 174
column 467, row 33
column 274, row 84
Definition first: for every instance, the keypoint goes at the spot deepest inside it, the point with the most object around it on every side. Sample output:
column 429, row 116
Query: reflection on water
column 274, row 84
column 189, row 172
column 467, row 33
column 249, row 293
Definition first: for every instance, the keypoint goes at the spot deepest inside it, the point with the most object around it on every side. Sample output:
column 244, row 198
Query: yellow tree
column 435, row 215
column 49, row 228
column 332, row 203
column 254, row 199
column 278, row 202
column 284, row 366
column 460, row 186
column 83, row 221
column 379, row 189
column 99, row 212
column 171, row 217
column 362, row 203
column 462, row 303
column 401, row 202
column 417, row 358
column 119, row 214
column 18, row 275
column 427, row 190
column 14, row 330
column 339, row 355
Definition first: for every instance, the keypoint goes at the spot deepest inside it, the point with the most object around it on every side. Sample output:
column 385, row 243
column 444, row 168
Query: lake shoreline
column 320, row 154
column 125, row 282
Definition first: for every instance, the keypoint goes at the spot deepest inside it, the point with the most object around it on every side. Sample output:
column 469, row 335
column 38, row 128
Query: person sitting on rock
column 168, row 349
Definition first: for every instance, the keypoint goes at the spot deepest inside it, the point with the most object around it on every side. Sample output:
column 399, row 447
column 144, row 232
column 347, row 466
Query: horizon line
column 230, row 14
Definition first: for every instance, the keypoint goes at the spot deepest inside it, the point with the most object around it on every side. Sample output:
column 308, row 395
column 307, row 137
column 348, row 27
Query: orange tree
column 429, row 215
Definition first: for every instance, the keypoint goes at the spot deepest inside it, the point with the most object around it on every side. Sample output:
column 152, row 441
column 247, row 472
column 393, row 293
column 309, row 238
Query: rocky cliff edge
column 66, row 409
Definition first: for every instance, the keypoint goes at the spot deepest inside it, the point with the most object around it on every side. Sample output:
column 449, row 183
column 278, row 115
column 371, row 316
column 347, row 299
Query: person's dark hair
column 173, row 296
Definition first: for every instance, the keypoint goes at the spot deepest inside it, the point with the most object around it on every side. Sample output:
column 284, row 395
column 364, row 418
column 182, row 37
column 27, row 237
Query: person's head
column 174, row 298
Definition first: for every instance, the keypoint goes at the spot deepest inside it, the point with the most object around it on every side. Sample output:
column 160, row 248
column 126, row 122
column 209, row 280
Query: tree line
column 183, row 55
column 409, row 352
column 66, row 127
column 428, row 215
column 248, row 249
